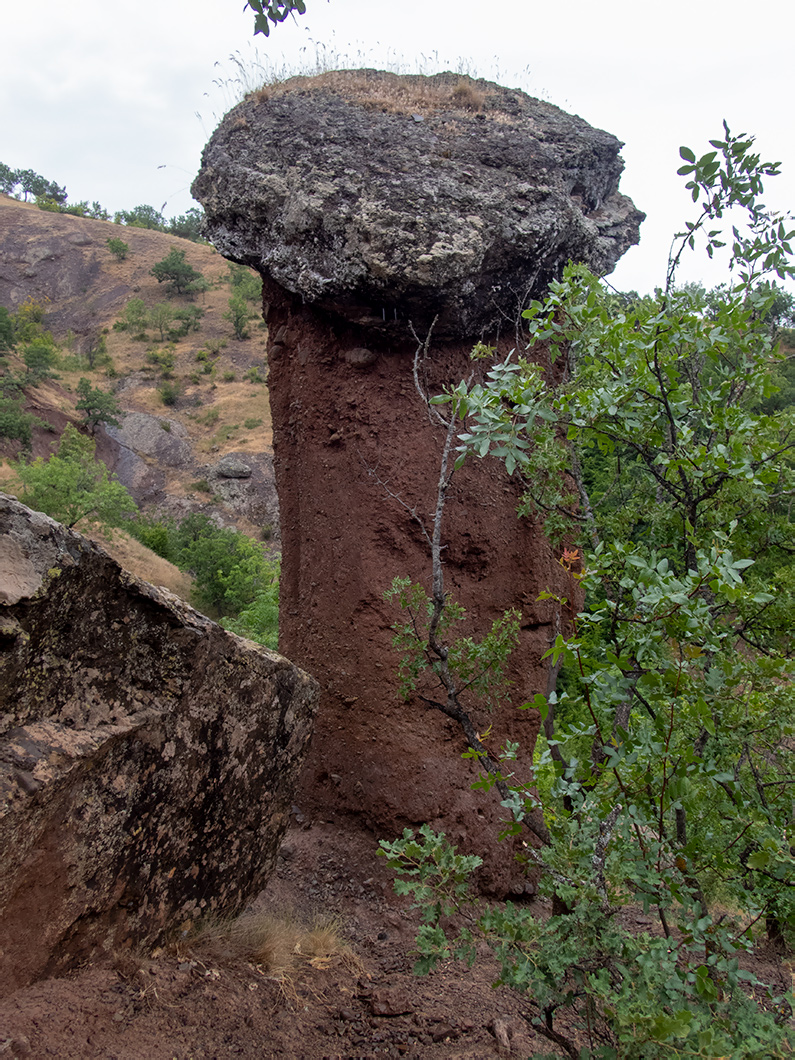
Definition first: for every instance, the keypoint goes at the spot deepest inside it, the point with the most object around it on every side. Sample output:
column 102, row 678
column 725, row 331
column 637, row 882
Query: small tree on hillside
column 174, row 271
column 141, row 217
column 160, row 317
column 39, row 358
column 7, row 340
column 118, row 248
column 72, row 485
column 98, row 406
column 8, row 179
column 239, row 314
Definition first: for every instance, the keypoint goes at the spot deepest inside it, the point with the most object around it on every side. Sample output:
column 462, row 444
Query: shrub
column 118, row 248
column 177, row 274
column 169, row 393
column 15, row 423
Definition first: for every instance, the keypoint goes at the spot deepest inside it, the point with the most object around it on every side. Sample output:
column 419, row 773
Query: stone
column 368, row 227
column 147, row 757
column 333, row 189
column 232, row 467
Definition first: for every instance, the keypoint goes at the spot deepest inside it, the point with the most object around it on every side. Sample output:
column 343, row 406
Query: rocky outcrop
column 373, row 205
column 389, row 200
column 147, row 757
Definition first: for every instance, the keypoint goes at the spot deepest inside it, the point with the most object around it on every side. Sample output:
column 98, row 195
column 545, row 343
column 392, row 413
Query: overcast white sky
column 116, row 100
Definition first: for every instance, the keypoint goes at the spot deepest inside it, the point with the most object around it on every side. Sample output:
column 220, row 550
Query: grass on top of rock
column 391, row 93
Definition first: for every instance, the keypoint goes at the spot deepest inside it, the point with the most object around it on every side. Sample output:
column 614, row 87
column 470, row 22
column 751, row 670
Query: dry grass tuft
column 141, row 561
column 387, row 92
column 280, row 944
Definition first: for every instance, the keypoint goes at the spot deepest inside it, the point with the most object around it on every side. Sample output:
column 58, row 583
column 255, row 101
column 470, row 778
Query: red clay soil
column 355, row 453
column 186, row 1005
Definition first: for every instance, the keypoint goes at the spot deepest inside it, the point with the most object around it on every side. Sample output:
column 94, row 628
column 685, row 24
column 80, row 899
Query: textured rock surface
column 147, row 757
column 362, row 211
column 387, row 199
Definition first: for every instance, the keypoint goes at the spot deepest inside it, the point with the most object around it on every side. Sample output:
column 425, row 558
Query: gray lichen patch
column 388, row 199
column 147, row 757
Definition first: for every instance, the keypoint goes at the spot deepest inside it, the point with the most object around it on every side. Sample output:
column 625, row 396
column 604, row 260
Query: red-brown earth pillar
column 367, row 226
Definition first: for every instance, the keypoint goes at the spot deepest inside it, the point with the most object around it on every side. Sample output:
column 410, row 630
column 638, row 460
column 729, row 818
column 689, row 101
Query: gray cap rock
column 331, row 187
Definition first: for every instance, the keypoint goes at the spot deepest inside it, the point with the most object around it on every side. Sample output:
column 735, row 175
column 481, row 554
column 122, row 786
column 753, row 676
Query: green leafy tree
column 174, row 271
column 72, row 486
column 186, row 319
column 229, row 568
column 8, row 179
column 39, row 358
column 98, row 406
column 161, row 317
column 246, row 282
column 273, row 11
column 15, row 423
column 188, row 225
column 141, row 217
column 666, row 758
column 259, row 619
column 118, row 248
column 134, row 318
column 7, row 338
column 239, row 314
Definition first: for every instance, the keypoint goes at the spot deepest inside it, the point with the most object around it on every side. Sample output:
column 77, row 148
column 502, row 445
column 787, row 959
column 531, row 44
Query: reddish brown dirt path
column 187, row 1005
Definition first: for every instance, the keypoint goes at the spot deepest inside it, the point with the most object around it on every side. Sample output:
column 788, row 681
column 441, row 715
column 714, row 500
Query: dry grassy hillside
column 63, row 262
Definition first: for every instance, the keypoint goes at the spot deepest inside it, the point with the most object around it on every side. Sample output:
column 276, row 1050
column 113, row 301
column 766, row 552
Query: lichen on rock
column 340, row 191
column 147, row 757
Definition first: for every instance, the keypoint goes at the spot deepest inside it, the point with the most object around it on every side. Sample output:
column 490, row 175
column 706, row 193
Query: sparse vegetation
column 280, row 944
column 169, row 392
column 180, row 277
column 15, row 423
column 239, row 314
column 72, row 486
column 118, row 248
column 98, row 406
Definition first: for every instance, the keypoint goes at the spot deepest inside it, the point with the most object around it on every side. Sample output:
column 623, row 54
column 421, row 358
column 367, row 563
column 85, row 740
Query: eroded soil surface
column 186, row 1004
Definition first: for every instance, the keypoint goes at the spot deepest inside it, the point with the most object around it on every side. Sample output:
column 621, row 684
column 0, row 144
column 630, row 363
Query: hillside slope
column 167, row 455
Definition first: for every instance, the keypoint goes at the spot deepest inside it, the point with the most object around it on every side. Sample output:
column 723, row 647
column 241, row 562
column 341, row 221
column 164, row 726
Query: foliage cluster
column 179, row 276
column 26, row 182
column 50, row 196
column 234, row 576
column 72, row 486
column 275, row 11
column 651, row 450
column 246, row 294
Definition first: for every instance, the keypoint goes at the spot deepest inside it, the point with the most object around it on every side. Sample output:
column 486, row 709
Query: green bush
column 72, row 485
column 169, row 392
column 15, row 423
column 118, row 248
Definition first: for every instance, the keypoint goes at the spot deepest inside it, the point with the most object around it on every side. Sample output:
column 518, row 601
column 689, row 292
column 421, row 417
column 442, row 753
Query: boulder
column 377, row 207
column 393, row 200
column 147, row 757
column 232, row 466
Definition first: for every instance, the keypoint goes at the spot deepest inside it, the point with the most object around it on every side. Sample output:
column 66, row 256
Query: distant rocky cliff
column 374, row 205
column 147, row 757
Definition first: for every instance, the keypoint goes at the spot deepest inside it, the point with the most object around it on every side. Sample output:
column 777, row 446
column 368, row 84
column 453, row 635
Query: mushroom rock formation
column 148, row 758
column 377, row 207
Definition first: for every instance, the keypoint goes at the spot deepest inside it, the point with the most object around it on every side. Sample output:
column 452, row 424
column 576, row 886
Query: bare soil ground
column 188, row 1003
